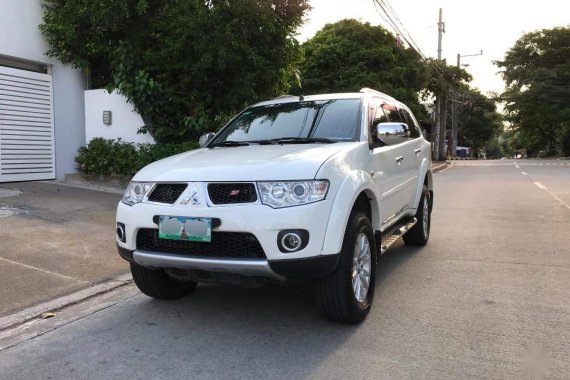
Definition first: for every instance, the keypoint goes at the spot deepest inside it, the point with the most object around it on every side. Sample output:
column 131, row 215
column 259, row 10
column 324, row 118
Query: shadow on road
column 216, row 332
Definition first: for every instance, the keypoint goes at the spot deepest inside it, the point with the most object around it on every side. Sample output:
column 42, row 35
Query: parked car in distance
column 292, row 189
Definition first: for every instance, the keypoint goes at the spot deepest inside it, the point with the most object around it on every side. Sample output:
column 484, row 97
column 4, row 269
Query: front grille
column 231, row 193
column 239, row 245
column 167, row 192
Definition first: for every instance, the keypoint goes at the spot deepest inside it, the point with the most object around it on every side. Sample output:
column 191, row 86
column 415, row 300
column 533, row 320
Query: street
column 488, row 295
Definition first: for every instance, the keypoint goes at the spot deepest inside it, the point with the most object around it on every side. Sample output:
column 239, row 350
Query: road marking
column 524, row 173
column 517, row 166
column 542, row 187
column 43, row 270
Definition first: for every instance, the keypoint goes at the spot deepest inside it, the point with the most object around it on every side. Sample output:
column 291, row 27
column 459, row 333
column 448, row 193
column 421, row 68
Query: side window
column 415, row 131
column 392, row 113
column 376, row 116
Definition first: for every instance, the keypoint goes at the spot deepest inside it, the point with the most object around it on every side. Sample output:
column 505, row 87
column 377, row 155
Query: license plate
column 181, row 228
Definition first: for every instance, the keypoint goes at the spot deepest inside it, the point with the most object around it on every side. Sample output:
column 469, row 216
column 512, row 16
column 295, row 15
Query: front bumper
column 262, row 221
column 282, row 270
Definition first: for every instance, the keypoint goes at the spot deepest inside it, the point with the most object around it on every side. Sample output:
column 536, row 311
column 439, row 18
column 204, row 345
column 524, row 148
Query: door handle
column 417, row 152
column 399, row 159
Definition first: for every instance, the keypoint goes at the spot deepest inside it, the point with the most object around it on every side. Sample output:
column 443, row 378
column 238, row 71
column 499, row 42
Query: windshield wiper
column 263, row 142
column 229, row 143
column 304, row 140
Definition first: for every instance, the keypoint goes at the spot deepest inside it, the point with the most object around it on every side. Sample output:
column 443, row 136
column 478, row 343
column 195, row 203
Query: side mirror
column 392, row 133
column 205, row 139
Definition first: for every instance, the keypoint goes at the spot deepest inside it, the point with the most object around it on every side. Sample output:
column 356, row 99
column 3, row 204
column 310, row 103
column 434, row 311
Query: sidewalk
column 56, row 240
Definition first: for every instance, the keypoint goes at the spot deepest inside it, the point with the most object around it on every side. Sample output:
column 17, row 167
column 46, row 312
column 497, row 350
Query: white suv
column 307, row 188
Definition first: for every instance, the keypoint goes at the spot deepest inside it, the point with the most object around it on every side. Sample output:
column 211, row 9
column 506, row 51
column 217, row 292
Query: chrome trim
column 393, row 220
column 245, row 267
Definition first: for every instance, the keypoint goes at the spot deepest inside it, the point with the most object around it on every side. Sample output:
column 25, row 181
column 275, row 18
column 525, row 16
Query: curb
column 86, row 186
column 33, row 312
column 439, row 167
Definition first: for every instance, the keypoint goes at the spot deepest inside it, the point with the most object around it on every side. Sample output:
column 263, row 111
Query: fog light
column 292, row 240
column 121, row 232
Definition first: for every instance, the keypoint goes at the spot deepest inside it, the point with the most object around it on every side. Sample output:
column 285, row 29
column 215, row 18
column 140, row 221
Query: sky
column 471, row 26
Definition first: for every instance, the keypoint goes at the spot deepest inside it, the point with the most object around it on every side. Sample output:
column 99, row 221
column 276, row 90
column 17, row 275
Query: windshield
column 299, row 122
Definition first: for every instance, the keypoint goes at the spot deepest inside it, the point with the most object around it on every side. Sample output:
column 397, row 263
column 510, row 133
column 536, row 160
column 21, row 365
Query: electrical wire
column 401, row 30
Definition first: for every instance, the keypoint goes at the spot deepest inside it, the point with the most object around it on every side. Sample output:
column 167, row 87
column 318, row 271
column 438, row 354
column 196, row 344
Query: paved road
column 53, row 240
column 491, row 289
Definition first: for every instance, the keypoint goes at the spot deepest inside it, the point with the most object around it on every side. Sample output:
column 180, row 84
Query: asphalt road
column 54, row 240
column 488, row 297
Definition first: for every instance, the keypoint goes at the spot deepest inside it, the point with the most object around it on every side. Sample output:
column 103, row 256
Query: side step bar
column 394, row 233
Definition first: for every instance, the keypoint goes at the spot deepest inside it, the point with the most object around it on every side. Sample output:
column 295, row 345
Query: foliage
column 443, row 78
column 349, row 55
column 116, row 157
column 479, row 122
column 184, row 65
column 149, row 153
column 493, row 149
column 537, row 95
column 565, row 141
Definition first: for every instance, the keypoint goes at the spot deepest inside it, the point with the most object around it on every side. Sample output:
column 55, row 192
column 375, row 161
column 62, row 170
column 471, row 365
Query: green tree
column 349, row 55
column 537, row 95
column 443, row 80
column 184, row 65
column 480, row 125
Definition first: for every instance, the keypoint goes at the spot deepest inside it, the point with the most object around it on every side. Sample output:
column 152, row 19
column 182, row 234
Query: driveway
column 55, row 240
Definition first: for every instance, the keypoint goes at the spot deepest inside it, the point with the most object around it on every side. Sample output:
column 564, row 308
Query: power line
column 402, row 31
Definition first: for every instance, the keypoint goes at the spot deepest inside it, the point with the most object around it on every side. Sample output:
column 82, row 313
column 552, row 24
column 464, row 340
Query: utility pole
column 436, row 133
column 455, row 108
column 440, row 31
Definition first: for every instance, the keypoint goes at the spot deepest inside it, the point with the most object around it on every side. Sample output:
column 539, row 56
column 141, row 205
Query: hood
column 242, row 163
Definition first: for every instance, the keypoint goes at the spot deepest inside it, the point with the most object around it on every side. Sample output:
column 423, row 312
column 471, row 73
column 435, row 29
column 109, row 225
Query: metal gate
column 26, row 126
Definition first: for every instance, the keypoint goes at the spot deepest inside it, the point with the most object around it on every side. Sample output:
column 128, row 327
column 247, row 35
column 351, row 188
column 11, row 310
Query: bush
column 565, row 142
column 116, row 157
column 148, row 153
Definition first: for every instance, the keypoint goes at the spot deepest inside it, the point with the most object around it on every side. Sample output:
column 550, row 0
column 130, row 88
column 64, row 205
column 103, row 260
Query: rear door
column 414, row 154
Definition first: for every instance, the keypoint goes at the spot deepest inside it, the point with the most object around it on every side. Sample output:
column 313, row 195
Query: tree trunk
column 443, row 128
column 454, row 126
column 435, row 131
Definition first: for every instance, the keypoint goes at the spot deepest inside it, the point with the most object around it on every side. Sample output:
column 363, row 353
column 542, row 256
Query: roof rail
column 285, row 97
column 367, row 90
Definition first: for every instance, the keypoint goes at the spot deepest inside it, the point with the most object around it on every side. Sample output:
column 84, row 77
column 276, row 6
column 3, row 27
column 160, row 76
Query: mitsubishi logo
column 192, row 197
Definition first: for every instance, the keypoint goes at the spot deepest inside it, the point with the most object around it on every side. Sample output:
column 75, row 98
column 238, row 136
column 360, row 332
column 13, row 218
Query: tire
column 336, row 294
column 157, row 284
column 418, row 235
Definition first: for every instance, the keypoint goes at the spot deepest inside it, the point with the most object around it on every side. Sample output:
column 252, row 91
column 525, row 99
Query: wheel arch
column 359, row 189
column 426, row 178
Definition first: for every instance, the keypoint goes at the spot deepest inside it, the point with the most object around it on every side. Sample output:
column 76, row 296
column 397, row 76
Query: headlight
column 135, row 192
column 288, row 193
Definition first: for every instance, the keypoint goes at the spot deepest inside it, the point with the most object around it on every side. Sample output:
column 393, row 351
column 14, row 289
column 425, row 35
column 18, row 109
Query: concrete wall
column 125, row 121
column 21, row 39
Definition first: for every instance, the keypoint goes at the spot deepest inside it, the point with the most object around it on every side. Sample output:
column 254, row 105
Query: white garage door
column 26, row 126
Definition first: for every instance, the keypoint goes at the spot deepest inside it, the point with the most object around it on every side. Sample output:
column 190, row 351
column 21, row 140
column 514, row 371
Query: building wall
column 21, row 39
column 125, row 121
